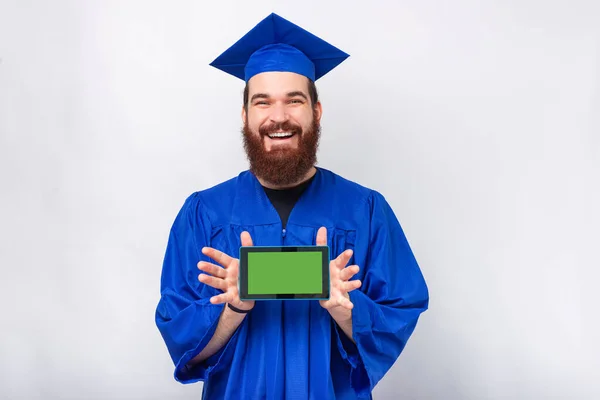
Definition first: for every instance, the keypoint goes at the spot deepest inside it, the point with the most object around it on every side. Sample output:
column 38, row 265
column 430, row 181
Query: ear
column 243, row 114
column 318, row 111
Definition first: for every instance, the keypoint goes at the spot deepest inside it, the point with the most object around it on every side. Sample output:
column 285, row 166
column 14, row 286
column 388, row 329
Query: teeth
column 280, row 134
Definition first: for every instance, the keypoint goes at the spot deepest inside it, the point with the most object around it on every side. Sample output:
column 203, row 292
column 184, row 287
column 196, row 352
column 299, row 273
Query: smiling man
column 338, row 348
column 281, row 116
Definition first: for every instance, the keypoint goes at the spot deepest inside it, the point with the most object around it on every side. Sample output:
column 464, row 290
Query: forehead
column 277, row 83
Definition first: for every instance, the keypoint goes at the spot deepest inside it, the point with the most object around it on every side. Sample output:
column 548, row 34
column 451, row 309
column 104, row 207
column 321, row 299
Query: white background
column 479, row 122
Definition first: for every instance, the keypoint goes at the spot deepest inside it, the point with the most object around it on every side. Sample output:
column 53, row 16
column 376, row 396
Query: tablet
column 284, row 272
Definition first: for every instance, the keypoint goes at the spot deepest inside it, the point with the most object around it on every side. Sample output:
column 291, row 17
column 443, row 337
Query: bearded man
column 334, row 348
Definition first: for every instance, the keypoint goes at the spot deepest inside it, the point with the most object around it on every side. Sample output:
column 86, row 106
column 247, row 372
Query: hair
column 312, row 93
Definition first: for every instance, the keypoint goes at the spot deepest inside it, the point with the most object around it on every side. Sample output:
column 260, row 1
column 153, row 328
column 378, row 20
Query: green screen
column 285, row 272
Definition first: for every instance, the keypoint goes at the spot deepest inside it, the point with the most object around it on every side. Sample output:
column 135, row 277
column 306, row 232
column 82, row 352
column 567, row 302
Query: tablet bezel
column 243, row 273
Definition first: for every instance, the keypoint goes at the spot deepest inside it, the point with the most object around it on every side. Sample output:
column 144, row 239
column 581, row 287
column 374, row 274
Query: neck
column 311, row 172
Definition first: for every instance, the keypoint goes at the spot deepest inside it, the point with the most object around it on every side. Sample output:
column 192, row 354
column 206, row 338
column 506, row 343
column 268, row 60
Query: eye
column 296, row 101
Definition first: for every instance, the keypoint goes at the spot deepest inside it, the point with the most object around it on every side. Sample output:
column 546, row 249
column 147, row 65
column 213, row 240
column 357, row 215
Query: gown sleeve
column 184, row 315
column 388, row 304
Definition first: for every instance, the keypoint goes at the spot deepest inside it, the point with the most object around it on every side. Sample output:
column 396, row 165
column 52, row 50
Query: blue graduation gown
column 291, row 349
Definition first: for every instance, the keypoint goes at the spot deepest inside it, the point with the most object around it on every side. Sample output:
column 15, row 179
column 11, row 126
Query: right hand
column 224, row 277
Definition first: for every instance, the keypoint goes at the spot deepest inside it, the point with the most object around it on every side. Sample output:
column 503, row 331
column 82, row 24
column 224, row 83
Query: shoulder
column 212, row 202
column 347, row 190
column 219, row 193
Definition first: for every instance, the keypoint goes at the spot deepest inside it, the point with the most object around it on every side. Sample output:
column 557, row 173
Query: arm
column 185, row 316
column 227, row 325
column 344, row 322
column 387, row 307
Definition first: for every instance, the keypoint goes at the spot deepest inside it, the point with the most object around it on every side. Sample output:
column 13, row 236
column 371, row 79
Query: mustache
column 283, row 126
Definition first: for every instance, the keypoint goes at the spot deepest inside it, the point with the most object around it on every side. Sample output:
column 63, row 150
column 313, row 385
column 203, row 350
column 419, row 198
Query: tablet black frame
column 243, row 273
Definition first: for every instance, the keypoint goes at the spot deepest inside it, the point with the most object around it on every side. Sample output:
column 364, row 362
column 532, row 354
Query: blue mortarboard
column 276, row 44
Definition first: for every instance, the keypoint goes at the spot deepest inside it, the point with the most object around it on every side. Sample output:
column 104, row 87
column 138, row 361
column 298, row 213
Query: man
column 277, row 349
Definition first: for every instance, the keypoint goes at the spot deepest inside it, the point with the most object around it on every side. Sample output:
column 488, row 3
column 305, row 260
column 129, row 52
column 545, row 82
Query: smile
column 280, row 135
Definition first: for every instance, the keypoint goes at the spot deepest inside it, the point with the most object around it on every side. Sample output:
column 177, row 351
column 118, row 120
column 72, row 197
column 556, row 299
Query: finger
column 212, row 269
column 322, row 236
column 246, row 239
column 217, row 255
column 221, row 298
column 327, row 304
column 351, row 285
column 211, row 281
column 345, row 302
column 349, row 272
column 342, row 259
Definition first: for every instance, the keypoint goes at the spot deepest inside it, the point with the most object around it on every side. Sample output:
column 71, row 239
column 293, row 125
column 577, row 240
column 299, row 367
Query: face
column 281, row 127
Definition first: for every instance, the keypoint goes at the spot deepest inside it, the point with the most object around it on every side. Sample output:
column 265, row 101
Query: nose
column 278, row 114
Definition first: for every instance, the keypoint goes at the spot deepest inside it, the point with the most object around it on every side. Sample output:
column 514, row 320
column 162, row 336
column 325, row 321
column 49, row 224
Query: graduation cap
column 276, row 44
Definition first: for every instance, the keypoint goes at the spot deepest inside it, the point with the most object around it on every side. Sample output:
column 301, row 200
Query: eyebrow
column 259, row 96
column 289, row 94
column 297, row 93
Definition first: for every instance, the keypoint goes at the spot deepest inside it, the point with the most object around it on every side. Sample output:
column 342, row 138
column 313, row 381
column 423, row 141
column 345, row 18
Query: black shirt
column 284, row 199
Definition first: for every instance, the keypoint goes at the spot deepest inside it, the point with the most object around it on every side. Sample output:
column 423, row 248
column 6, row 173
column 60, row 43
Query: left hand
column 340, row 284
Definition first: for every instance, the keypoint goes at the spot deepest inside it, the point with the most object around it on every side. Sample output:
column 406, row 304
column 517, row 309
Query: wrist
column 230, row 318
column 238, row 310
column 340, row 314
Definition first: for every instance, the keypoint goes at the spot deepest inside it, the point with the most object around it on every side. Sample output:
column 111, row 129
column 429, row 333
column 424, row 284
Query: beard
column 282, row 166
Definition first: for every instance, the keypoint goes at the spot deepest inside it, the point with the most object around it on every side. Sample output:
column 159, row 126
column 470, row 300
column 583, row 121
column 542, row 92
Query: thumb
column 322, row 236
column 246, row 239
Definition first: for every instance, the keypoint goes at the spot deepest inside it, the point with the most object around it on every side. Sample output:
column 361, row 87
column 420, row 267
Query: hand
column 339, row 303
column 224, row 278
